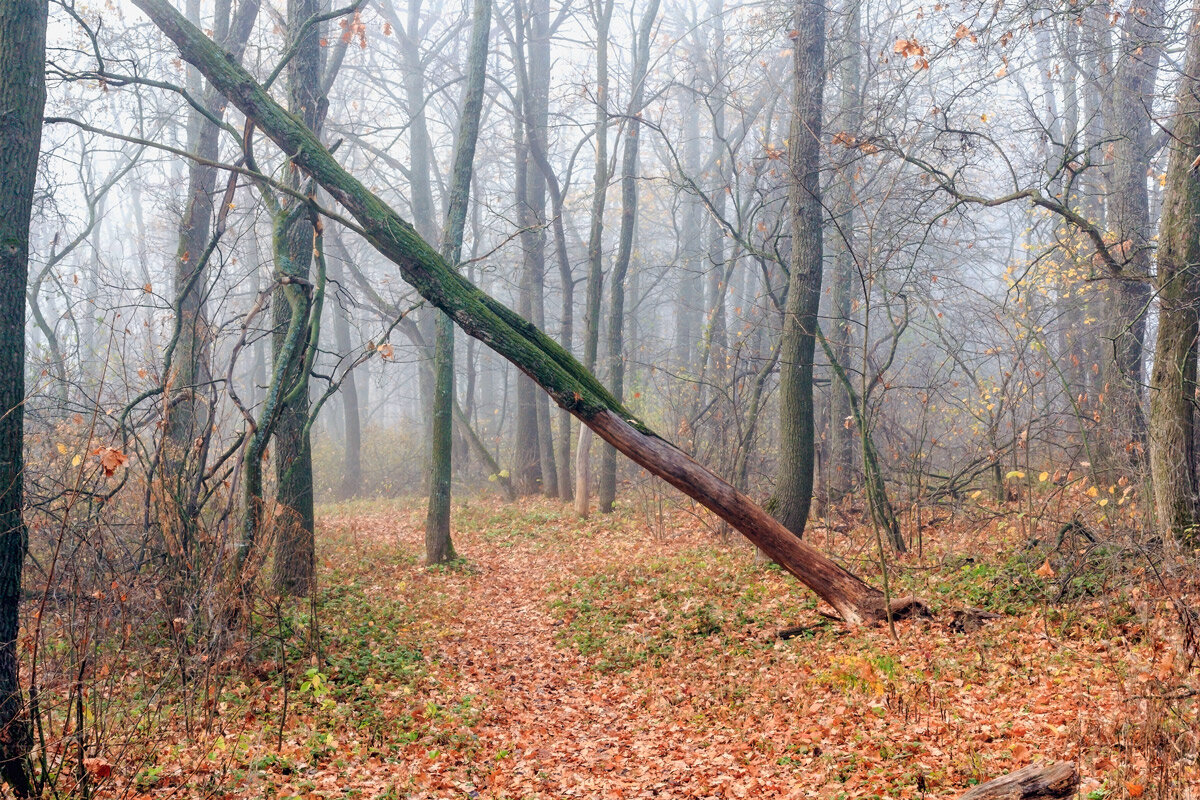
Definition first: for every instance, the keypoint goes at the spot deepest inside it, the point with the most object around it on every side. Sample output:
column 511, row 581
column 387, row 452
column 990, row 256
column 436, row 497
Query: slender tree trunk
column 845, row 271
column 438, row 546
column 793, row 489
column 1129, row 218
column 351, row 409
column 420, row 184
column 523, row 344
column 690, row 294
column 716, row 335
column 22, row 98
column 629, row 201
column 1173, row 383
column 603, row 10
column 536, row 125
column 528, row 453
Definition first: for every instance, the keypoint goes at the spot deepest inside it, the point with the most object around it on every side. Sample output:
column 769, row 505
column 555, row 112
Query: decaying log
column 566, row 380
column 1055, row 782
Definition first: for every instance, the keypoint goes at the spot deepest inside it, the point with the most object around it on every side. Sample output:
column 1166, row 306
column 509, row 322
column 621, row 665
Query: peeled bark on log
column 522, row 343
column 1031, row 783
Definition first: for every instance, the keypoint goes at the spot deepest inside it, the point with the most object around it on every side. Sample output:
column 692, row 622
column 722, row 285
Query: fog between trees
column 869, row 256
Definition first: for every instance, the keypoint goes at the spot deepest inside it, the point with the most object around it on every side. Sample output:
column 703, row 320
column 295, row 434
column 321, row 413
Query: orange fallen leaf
column 110, row 459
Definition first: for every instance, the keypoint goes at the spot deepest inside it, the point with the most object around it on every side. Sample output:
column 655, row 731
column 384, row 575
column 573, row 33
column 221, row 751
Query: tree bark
column 841, row 468
column 1173, row 382
column 1035, row 782
column 1131, row 132
column 629, row 200
column 794, row 487
column 603, row 10
column 351, row 413
column 294, row 545
column 22, row 98
column 438, row 546
column 535, row 353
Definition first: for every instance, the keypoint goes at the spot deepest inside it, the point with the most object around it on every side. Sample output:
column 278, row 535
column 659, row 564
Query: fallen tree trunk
column 1035, row 782
column 521, row 342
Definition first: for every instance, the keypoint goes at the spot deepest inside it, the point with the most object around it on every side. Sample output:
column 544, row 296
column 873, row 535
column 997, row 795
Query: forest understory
column 638, row 655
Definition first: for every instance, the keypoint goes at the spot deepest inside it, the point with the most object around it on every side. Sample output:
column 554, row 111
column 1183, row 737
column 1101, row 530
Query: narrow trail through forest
column 595, row 660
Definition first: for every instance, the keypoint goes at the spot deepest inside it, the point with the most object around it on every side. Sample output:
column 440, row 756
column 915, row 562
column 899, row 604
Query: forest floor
column 636, row 655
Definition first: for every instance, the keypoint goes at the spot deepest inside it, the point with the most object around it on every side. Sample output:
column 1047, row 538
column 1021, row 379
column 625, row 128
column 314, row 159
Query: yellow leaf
column 62, row 448
column 1045, row 476
column 75, row 461
column 976, row 493
column 1016, row 473
column 1104, row 502
column 1093, row 491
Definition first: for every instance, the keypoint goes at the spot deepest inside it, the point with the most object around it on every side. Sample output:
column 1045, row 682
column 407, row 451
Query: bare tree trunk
column 595, row 280
column 420, row 185
column 629, row 198
column 187, row 419
column 1129, row 218
column 529, row 467
column 351, row 413
column 22, row 98
column 1173, row 383
column 690, row 294
column 842, row 460
column 793, row 489
column 438, row 546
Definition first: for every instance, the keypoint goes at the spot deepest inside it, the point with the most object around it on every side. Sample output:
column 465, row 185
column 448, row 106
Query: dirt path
column 554, row 726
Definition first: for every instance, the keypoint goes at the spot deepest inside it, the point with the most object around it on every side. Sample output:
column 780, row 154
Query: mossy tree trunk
column 22, row 98
column 511, row 336
column 294, row 544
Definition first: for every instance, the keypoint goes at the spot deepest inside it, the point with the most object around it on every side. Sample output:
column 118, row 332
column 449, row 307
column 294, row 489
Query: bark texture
column 794, row 487
column 1131, row 132
column 439, row 548
column 629, row 209
column 293, row 569
column 1034, row 782
column 22, row 98
column 1173, row 382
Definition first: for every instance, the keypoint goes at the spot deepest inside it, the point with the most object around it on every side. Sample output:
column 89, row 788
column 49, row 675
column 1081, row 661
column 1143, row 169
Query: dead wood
column 1031, row 783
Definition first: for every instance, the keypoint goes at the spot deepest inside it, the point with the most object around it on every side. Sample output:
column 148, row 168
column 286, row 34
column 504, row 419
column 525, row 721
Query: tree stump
column 1056, row 782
